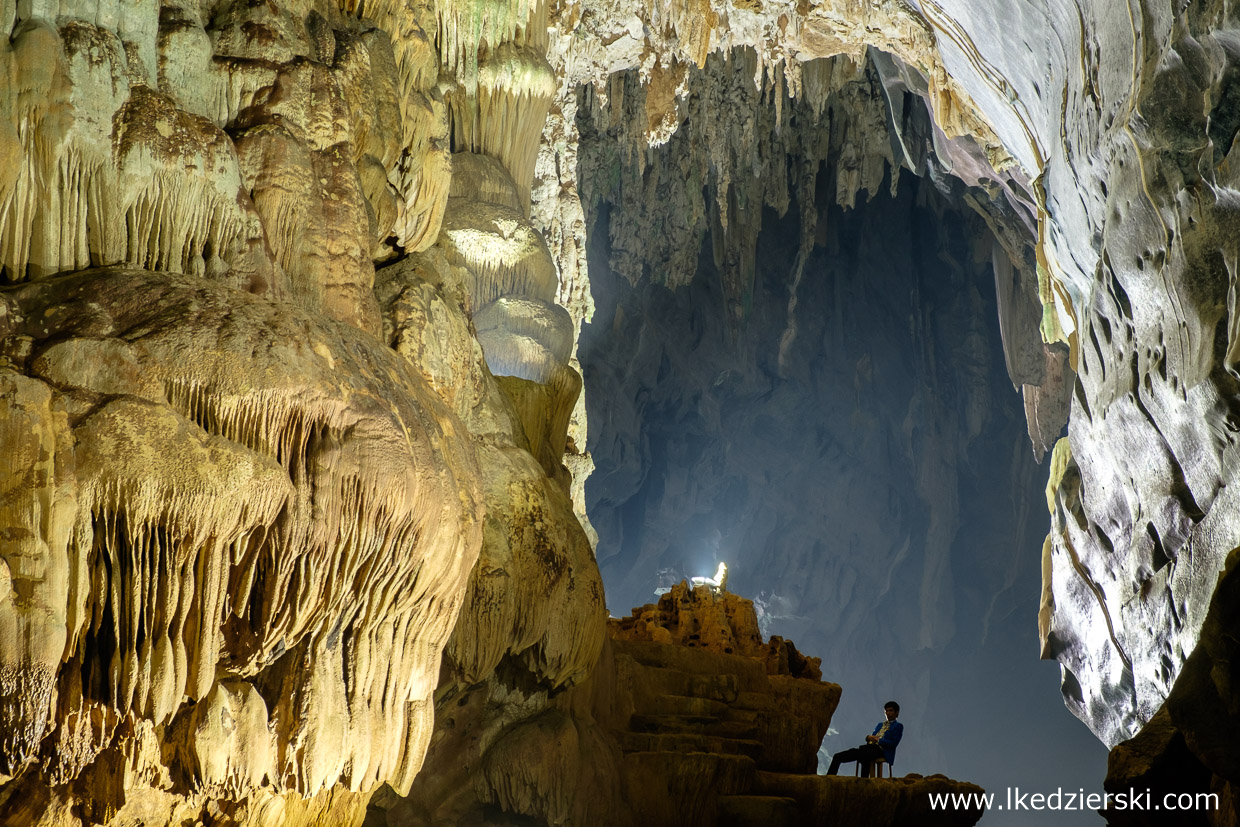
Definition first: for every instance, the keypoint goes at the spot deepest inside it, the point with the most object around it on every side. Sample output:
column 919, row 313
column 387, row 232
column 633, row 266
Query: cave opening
column 807, row 380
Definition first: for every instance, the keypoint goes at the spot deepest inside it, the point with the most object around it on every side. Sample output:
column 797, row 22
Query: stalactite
column 137, row 181
column 290, row 491
column 469, row 27
column 502, row 114
column 421, row 176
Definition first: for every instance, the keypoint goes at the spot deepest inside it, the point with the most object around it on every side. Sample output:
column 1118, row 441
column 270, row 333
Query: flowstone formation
column 185, row 593
column 258, row 504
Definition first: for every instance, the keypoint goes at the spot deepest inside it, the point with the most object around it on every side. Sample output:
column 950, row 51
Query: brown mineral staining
column 151, row 122
column 666, row 84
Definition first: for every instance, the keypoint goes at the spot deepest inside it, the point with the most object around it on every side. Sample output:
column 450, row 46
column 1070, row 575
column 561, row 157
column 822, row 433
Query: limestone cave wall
column 259, row 500
column 291, row 417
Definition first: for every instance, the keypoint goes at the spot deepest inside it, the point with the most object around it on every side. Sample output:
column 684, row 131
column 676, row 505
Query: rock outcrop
column 723, row 727
column 824, row 800
column 774, row 697
column 690, row 717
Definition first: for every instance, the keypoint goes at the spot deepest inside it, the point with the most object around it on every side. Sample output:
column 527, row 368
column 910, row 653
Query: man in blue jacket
column 881, row 744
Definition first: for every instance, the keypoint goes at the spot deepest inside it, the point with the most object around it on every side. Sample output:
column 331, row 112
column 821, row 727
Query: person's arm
column 894, row 733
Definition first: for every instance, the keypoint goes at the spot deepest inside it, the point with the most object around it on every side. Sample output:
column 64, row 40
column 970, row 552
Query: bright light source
column 718, row 583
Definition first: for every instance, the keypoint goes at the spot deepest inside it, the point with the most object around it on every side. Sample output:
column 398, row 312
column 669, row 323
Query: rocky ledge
column 715, row 726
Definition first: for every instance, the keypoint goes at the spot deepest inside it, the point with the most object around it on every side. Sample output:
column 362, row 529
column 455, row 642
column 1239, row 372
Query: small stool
column 877, row 765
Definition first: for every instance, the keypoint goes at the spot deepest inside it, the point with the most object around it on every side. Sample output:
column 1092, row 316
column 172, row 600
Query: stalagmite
column 428, row 329
column 526, row 338
column 482, row 178
column 544, row 409
column 506, row 256
column 529, row 551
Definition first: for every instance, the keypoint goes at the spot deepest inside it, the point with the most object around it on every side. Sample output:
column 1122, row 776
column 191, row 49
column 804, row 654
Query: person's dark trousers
column 866, row 754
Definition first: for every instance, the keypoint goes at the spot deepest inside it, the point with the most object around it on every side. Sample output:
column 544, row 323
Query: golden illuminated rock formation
column 253, row 556
column 789, row 725
column 238, row 529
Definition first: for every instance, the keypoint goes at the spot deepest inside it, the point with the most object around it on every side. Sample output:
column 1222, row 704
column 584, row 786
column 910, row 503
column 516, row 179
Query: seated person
column 881, row 744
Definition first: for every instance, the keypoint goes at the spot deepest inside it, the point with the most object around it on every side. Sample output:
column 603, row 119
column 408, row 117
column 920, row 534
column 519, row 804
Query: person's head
column 892, row 709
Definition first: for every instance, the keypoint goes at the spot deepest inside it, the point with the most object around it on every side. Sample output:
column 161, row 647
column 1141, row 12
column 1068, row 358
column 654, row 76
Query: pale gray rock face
column 1129, row 110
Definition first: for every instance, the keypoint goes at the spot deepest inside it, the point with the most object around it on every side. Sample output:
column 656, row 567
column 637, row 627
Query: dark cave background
column 867, row 478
